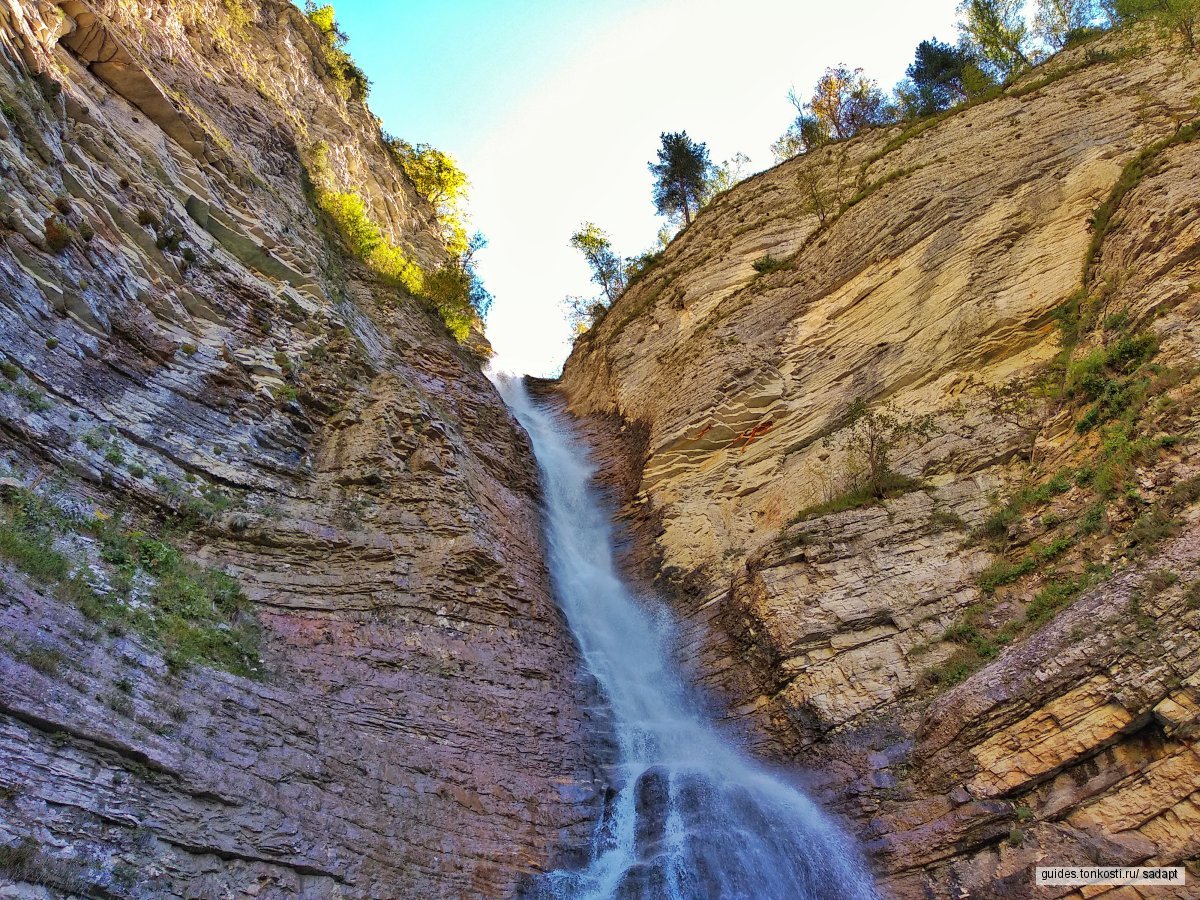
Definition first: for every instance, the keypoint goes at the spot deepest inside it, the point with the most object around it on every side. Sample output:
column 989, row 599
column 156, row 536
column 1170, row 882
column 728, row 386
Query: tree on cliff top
column 996, row 30
column 681, row 175
column 348, row 78
column 607, row 267
column 939, row 77
column 1056, row 22
column 1181, row 17
column 843, row 102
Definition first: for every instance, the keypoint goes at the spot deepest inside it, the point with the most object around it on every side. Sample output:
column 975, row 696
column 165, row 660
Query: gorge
column 290, row 609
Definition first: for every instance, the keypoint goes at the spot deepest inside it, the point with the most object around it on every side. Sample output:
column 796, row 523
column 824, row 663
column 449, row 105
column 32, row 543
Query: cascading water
column 693, row 817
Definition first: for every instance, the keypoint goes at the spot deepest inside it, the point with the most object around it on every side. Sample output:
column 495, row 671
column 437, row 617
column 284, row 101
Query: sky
column 554, row 108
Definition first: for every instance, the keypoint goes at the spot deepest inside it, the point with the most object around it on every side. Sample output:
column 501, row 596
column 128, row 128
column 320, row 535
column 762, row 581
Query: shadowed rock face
column 419, row 726
column 710, row 390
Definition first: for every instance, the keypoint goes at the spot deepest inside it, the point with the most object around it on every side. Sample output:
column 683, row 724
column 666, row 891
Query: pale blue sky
column 554, row 108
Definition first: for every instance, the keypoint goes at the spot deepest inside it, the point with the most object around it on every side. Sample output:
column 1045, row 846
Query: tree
column 681, row 175
column 1181, row 17
column 938, row 76
column 348, row 78
column 844, row 102
column 457, row 292
column 583, row 312
column 438, row 178
column 822, row 182
column 608, row 269
column 996, row 30
column 1057, row 21
column 725, row 176
column 869, row 437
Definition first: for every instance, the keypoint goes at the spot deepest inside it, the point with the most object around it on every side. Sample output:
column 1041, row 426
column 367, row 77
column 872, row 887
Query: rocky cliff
column 275, row 621
column 987, row 656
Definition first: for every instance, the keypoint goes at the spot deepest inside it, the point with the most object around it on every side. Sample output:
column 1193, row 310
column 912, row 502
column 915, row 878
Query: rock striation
column 994, row 667
column 192, row 361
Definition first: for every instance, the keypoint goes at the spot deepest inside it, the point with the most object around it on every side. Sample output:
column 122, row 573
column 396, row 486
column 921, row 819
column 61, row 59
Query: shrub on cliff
column 367, row 241
column 608, row 269
column 438, row 178
column 348, row 78
column 455, row 290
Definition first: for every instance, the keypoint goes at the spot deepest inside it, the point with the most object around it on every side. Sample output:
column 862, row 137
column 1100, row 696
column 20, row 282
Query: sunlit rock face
column 717, row 396
column 180, row 335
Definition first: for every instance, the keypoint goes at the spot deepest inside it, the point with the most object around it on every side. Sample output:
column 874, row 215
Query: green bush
column 1003, row 572
column 367, row 241
column 196, row 614
column 768, row 263
column 348, row 79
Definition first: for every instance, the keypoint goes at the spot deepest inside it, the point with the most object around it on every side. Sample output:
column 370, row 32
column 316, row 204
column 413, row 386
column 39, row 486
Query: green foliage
column 1003, row 572
column 843, row 103
column 607, row 267
column 681, row 175
column 996, row 31
column 937, row 78
column 947, row 519
column 438, row 178
column 1161, row 520
column 1180, row 18
column 26, row 545
column 870, row 436
column 1191, row 594
column 766, row 264
column 196, row 614
column 455, row 290
column 1055, row 595
column 1103, row 378
column 43, row 659
column 31, row 398
column 348, row 78
column 366, row 240
column 724, row 176
column 894, row 485
column 1064, row 23
column 449, row 290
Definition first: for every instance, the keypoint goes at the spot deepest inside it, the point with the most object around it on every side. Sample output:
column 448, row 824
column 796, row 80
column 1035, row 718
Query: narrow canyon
column 278, row 618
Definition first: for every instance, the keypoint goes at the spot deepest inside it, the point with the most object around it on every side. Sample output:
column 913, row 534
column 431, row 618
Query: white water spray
column 693, row 817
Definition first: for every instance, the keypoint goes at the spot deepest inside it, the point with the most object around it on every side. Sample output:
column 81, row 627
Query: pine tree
column 681, row 175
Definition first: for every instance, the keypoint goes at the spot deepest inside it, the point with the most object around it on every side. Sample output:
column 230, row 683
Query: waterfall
column 693, row 817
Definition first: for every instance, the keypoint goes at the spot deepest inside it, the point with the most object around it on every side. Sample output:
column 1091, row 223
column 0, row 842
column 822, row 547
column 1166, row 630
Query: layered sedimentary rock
column 981, row 683
column 189, row 354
